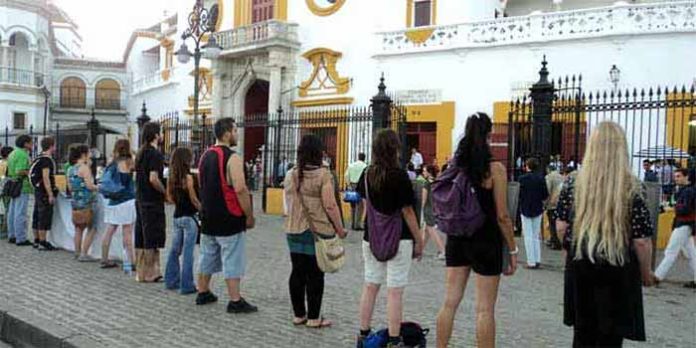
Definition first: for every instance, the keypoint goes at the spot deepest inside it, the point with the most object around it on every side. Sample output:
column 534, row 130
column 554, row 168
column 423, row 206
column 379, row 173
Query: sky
column 106, row 25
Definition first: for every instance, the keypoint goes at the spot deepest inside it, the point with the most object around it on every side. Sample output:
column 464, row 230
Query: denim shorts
column 223, row 254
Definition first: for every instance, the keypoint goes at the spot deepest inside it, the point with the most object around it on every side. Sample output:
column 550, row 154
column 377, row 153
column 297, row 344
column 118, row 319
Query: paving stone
column 110, row 308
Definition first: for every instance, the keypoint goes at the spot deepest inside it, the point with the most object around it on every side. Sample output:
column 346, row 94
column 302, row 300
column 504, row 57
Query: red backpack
column 228, row 192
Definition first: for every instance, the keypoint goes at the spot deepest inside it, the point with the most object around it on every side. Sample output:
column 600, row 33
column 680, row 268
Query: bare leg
column 106, row 242
column 367, row 304
column 394, row 310
column 78, row 239
column 233, row 289
column 456, row 280
column 486, row 296
column 203, row 283
column 432, row 232
column 128, row 242
column 89, row 240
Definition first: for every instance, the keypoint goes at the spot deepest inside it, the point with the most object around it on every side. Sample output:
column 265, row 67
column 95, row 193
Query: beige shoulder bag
column 330, row 253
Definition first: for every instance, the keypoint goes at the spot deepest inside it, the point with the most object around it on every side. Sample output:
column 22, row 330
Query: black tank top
column 183, row 204
column 490, row 230
column 216, row 220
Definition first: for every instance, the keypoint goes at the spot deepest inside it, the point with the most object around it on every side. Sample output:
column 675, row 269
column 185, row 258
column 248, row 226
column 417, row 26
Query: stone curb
column 19, row 328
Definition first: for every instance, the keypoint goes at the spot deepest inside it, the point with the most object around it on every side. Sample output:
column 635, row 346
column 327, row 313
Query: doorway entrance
column 255, row 104
column 422, row 136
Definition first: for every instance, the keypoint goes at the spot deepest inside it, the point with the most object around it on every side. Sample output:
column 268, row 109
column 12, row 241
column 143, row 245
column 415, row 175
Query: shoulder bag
column 330, row 252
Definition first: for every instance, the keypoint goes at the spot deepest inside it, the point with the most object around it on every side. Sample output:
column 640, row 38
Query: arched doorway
column 255, row 112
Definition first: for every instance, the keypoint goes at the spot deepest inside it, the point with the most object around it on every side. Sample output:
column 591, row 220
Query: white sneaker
column 440, row 256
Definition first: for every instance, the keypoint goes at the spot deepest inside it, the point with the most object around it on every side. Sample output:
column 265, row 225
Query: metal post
column 93, row 127
column 176, row 130
column 542, row 94
column 142, row 119
column 58, row 141
column 196, row 91
column 276, row 150
column 47, row 94
column 7, row 135
column 381, row 107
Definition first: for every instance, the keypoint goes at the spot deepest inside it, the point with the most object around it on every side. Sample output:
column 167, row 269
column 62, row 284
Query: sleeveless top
column 82, row 197
column 490, row 232
column 183, row 205
column 128, row 192
column 216, row 219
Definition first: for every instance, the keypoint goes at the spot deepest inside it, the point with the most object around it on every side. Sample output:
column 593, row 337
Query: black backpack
column 35, row 175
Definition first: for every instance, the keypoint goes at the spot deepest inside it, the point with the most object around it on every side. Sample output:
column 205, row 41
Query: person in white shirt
column 416, row 158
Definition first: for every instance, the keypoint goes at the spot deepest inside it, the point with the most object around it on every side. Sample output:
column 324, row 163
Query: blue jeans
column 185, row 233
column 17, row 217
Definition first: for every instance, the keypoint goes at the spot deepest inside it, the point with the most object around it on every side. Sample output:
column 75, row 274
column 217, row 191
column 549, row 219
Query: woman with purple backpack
column 392, row 237
column 480, row 250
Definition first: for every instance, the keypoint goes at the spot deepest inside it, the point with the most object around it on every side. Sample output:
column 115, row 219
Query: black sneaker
column 24, row 243
column 241, row 306
column 46, row 246
column 205, row 298
column 12, row 240
column 37, row 244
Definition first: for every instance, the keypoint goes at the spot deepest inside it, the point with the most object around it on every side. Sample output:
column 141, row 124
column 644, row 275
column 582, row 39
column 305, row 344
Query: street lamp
column 615, row 76
column 47, row 94
column 201, row 22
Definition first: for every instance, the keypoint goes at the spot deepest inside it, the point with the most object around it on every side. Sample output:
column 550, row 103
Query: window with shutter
column 261, row 10
column 422, row 13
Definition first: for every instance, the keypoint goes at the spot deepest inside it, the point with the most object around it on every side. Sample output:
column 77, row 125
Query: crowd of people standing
column 600, row 214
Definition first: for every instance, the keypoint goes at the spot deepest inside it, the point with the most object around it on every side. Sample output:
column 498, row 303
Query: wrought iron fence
column 9, row 138
column 268, row 142
column 659, row 122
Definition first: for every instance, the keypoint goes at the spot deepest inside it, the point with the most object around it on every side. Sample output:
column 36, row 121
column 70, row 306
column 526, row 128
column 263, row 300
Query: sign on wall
column 419, row 96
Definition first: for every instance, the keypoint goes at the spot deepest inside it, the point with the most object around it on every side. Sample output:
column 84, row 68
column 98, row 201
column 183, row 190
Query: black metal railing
column 21, row 77
column 76, row 97
column 108, row 103
column 656, row 122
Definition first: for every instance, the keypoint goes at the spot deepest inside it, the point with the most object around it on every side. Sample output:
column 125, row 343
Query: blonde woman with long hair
column 605, row 227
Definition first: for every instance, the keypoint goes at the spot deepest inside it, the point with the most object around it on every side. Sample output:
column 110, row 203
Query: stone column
column 275, row 83
column 218, row 67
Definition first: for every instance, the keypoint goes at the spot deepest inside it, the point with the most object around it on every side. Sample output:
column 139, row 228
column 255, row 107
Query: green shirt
column 354, row 172
column 19, row 161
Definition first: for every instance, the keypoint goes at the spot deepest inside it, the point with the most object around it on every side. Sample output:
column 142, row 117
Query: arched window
column 72, row 93
column 107, row 95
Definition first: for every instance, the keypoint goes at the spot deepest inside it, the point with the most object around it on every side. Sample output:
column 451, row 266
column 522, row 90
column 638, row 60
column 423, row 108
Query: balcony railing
column 257, row 35
column 152, row 80
column 620, row 19
column 21, row 77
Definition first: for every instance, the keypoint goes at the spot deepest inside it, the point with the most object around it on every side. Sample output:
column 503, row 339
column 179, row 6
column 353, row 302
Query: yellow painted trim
column 166, row 73
column 330, row 58
column 433, row 13
column 409, row 13
column 324, row 11
column 280, row 10
column 237, row 14
column 443, row 115
column 322, row 102
column 274, row 201
column 207, row 111
column 221, row 14
column 678, row 122
column 419, row 36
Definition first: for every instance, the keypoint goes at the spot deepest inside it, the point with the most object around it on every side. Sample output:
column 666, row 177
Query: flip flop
column 157, row 280
column 322, row 324
column 301, row 322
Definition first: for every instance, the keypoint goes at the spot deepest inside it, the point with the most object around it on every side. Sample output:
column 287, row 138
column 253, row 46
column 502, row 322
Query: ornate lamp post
column 615, row 77
column 201, row 22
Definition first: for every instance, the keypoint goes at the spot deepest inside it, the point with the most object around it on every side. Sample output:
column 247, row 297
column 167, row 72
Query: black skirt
column 604, row 299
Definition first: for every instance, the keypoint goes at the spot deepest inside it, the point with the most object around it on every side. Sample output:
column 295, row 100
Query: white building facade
column 47, row 86
column 445, row 59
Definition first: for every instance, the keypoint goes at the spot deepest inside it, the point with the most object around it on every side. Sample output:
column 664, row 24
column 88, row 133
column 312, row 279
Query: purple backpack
column 456, row 207
column 385, row 230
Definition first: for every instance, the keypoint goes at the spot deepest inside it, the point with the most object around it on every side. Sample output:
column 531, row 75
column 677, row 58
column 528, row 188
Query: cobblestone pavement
column 112, row 309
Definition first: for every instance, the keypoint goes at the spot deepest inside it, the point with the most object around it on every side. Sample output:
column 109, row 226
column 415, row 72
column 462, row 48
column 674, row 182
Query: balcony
column 620, row 19
column 152, row 80
column 258, row 36
column 22, row 78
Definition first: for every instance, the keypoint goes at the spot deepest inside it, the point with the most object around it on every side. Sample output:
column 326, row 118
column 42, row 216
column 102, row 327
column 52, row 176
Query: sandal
column 296, row 322
column 323, row 323
column 108, row 264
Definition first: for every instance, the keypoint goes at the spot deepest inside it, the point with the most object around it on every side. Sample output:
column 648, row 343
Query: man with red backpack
column 221, row 177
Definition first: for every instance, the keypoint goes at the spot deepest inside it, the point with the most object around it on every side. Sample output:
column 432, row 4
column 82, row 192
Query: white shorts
column 121, row 214
column 395, row 271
